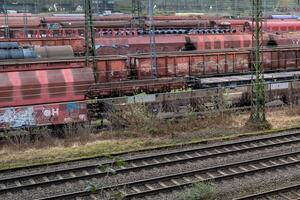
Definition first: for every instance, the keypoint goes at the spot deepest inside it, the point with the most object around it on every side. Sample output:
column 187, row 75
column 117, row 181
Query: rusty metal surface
column 54, row 51
column 44, row 86
column 18, row 21
column 75, row 42
column 41, row 115
column 58, row 63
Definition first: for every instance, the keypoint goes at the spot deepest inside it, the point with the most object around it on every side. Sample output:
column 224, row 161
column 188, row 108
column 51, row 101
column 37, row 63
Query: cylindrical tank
column 4, row 54
column 54, row 51
column 9, row 45
column 17, row 53
column 29, row 53
column 283, row 17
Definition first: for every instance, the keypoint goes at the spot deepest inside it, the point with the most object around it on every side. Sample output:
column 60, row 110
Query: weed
column 91, row 188
column 199, row 191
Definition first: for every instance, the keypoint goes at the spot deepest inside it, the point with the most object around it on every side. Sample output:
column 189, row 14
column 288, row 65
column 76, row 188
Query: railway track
column 287, row 193
column 62, row 176
column 171, row 182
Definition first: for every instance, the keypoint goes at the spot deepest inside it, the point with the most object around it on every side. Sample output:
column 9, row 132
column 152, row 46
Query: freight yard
column 149, row 99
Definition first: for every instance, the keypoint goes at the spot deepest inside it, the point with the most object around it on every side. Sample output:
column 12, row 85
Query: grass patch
column 57, row 154
column 200, row 191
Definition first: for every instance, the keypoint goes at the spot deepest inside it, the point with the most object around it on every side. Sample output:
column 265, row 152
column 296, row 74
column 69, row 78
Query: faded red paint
column 18, row 21
column 76, row 43
column 212, row 62
column 41, row 86
column 46, row 64
column 42, row 115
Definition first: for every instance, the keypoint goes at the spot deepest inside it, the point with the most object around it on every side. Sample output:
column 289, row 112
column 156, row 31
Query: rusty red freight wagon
column 97, row 24
column 40, row 64
column 221, row 41
column 70, row 18
column 44, row 86
column 277, row 25
column 169, row 43
column 18, row 22
column 109, row 68
column 180, row 24
column 64, row 32
column 71, row 83
column 213, row 62
column 77, row 43
column 43, row 115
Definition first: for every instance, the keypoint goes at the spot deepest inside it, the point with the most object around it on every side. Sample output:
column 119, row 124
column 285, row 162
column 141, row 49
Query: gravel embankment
column 119, row 178
column 99, row 161
column 233, row 188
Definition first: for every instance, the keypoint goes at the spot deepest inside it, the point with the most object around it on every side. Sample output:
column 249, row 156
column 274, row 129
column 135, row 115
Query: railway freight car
column 291, row 25
column 77, row 43
column 43, row 115
column 131, row 42
column 197, row 64
column 18, row 22
column 44, row 86
column 42, row 82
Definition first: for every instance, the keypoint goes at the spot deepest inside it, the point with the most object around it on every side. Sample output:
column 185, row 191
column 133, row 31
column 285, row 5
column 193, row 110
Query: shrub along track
column 165, row 183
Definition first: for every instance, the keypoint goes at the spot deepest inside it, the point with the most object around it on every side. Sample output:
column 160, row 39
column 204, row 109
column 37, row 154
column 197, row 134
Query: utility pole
column 25, row 18
column 165, row 7
column 6, row 27
column 258, row 114
column 152, row 40
column 90, row 49
column 98, row 6
column 136, row 6
column 2, row 7
column 36, row 6
column 234, row 8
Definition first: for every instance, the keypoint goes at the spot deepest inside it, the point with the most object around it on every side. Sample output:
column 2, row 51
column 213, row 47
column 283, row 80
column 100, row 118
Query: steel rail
column 144, row 162
column 168, row 183
column 294, row 191
column 292, row 131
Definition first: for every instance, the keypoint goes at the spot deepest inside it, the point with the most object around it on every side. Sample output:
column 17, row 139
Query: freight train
column 58, row 91
column 124, row 25
column 164, row 43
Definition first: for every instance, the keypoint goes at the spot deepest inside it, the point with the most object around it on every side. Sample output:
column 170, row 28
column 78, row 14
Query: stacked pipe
column 188, row 31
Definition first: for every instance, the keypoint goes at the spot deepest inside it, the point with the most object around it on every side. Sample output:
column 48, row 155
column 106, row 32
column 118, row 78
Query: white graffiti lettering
column 54, row 112
column 15, row 118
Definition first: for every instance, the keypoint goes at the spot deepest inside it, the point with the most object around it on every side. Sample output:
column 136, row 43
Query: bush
column 200, row 191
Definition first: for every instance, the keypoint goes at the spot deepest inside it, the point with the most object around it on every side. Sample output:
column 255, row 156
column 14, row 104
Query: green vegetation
column 200, row 191
column 31, row 157
column 137, row 129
